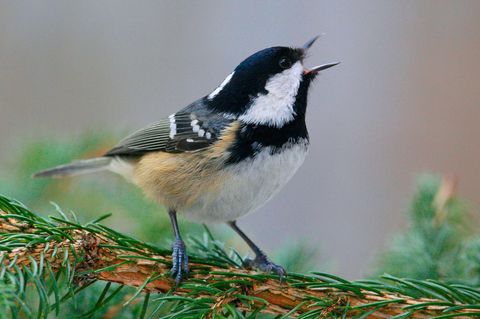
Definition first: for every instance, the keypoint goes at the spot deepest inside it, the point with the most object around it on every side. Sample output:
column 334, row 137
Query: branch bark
column 100, row 256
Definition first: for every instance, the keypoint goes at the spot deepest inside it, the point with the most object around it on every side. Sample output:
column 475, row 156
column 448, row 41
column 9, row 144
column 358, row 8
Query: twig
column 111, row 260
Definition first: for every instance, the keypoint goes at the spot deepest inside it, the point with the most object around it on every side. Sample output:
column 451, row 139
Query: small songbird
column 224, row 155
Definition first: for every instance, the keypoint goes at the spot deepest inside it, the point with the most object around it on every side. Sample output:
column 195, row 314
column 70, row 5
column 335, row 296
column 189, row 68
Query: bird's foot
column 262, row 263
column 179, row 261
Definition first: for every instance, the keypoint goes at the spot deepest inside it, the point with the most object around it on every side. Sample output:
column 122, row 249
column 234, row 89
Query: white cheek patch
column 276, row 107
column 217, row 90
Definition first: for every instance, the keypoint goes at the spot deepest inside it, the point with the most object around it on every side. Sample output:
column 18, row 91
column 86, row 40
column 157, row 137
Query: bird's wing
column 184, row 131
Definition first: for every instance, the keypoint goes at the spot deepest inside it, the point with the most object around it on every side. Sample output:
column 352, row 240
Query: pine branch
column 30, row 245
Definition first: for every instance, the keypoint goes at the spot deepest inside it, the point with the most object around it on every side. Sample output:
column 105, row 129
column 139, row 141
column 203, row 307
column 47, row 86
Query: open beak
column 318, row 68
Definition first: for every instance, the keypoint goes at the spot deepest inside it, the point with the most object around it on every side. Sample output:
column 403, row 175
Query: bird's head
column 269, row 87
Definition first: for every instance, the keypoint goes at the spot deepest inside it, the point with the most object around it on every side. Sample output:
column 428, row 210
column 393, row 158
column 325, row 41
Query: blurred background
column 77, row 76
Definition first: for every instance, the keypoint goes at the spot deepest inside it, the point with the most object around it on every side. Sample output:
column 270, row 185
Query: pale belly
column 248, row 185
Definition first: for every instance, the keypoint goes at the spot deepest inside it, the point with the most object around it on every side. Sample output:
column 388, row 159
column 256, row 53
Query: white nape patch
column 276, row 107
column 221, row 86
column 196, row 128
column 173, row 125
column 122, row 167
column 249, row 184
column 208, row 135
column 201, row 133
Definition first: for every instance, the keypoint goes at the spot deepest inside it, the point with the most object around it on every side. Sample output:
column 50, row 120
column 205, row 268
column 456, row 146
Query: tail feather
column 76, row 168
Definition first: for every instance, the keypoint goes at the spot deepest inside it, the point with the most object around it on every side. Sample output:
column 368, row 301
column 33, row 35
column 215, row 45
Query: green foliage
column 439, row 242
column 34, row 290
column 7, row 298
column 38, row 290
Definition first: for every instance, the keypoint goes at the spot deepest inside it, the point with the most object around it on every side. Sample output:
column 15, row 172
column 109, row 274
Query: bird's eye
column 285, row 63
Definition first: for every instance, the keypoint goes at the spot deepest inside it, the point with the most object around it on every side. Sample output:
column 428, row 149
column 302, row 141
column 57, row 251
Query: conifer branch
column 216, row 284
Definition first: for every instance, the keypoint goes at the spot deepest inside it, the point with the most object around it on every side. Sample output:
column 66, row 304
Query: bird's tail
column 76, row 168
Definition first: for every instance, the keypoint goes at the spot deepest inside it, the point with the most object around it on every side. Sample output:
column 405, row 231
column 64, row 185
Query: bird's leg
column 179, row 253
column 261, row 261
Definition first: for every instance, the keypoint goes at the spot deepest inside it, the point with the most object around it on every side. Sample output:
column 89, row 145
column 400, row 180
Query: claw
column 261, row 262
column 179, row 261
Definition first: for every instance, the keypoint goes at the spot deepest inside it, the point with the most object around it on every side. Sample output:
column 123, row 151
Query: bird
column 224, row 155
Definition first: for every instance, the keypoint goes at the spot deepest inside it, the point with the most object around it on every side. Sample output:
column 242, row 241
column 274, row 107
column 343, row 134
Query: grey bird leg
column 261, row 261
column 179, row 253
